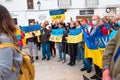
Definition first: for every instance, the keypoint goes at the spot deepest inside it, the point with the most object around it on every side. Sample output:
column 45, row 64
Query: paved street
column 54, row 70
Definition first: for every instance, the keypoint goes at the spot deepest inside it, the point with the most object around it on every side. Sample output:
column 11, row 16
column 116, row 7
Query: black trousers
column 65, row 47
column 38, row 45
column 73, row 52
column 98, row 71
column 52, row 49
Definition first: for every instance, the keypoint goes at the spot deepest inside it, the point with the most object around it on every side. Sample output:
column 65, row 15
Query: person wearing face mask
column 96, row 32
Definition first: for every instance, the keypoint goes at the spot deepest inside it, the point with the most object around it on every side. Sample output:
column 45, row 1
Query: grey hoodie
column 9, row 57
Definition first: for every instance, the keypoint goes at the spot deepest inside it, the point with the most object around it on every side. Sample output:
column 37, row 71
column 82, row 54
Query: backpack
column 27, row 71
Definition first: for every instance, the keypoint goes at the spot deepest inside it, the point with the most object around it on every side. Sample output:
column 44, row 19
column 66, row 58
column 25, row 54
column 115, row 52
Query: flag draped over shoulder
column 75, row 35
column 95, row 54
column 31, row 29
column 92, row 49
column 56, row 35
column 102, row 41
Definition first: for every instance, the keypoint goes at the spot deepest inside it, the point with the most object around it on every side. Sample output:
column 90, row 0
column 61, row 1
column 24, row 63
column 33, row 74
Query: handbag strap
column 5, row 45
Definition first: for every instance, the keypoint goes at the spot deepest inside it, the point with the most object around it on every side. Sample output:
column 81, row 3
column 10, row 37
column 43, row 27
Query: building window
column 30, row 21
column 92, row 2
column 86, row 12
column 30, row 4
column 15, row 21
column 64, row 3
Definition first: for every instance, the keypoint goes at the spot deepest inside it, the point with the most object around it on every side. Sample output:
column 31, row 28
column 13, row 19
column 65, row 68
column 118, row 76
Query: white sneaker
column 64, row 61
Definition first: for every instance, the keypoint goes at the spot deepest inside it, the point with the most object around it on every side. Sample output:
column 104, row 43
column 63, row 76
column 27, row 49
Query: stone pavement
column 54, row 70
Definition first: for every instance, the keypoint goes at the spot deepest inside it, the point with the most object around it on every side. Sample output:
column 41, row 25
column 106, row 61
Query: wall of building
column 20, row 16
column 15, row 5
column 18, row 9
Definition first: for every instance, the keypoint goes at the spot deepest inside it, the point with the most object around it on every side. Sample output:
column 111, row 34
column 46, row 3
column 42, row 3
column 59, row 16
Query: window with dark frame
column 30, row 4
column 15, row 21
column 30, row 21
column 86, row 12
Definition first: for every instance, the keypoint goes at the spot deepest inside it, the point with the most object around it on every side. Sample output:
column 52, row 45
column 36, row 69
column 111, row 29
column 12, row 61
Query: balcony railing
column 64, row 3
column 91, row 3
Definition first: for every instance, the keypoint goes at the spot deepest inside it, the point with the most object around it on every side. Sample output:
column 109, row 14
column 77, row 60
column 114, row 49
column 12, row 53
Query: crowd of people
column 90, row 30
column 95, row 28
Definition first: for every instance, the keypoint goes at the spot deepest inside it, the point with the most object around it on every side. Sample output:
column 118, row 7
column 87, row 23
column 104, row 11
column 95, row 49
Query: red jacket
column 20, row 41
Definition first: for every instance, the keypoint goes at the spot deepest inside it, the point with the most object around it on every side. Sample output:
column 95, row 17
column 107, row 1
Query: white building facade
column 25, row 11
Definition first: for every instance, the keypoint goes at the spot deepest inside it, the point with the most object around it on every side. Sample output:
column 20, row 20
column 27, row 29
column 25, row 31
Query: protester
column 72, row 47
column 9, row 57
column 111, row 60
column 45, row 35
column 52, row 46
column 62, row 55
column 32, row 44
column 38, row 37
column 20, row 37
column 96, row 32
column 87, row 62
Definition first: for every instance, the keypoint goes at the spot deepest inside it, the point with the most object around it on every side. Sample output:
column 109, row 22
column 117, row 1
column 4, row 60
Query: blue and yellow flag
column 92, row 49
column 56, row 35
column 57, row 15
column 95, row 54
column 102, row 42
column 31, row 29
column 74, row 35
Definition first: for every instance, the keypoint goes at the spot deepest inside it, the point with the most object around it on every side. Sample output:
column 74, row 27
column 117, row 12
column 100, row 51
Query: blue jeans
column 46, row 50
column 20, row 47
column 62, row 55
column 79, row 52
column 86, row 62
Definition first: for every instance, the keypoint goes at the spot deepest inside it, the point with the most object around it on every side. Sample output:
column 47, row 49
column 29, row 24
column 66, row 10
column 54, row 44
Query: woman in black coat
column 72, row 48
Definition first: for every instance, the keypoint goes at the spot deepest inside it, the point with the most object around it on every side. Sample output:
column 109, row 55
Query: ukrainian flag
column 31, row 29
column 56, row 35
column 92, row 49
column 57, row 15
column 74, row 35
